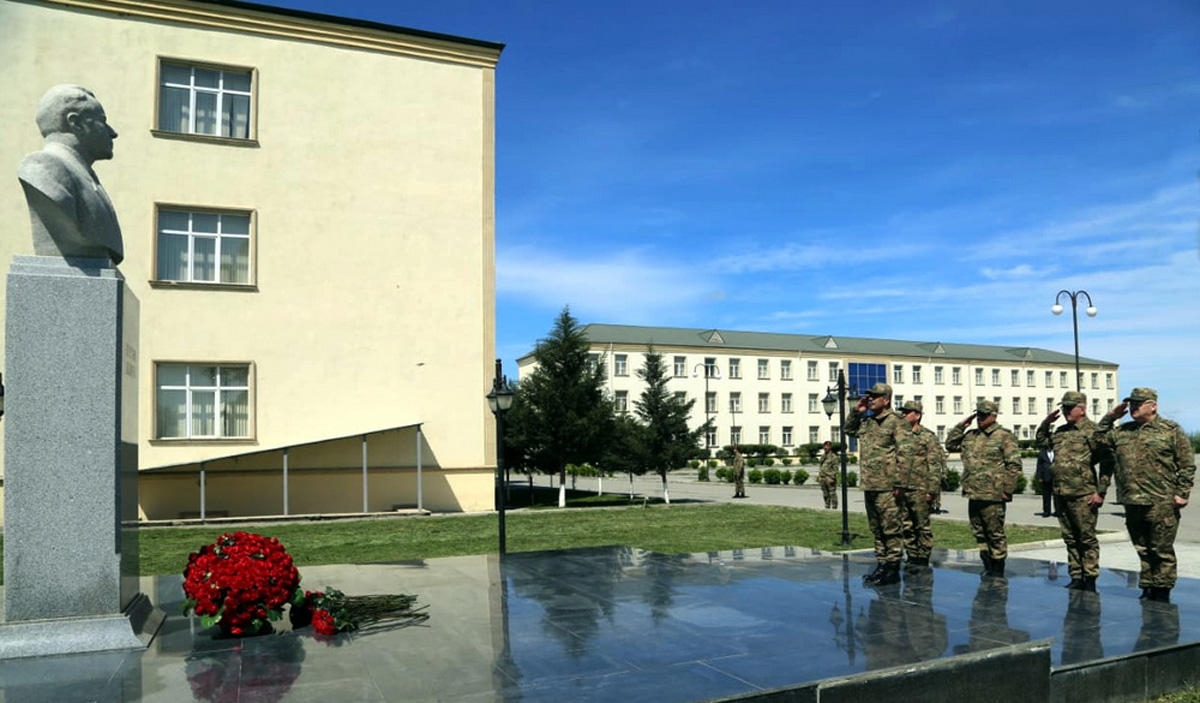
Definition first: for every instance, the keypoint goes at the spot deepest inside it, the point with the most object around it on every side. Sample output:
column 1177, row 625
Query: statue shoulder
column 46, row 171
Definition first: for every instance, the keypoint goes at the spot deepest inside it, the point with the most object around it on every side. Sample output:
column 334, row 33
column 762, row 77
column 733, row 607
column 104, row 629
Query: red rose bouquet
column 331, row 611
column 240, row 582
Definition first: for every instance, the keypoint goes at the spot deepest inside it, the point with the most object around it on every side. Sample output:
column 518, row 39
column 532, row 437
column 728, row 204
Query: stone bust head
column 70, row 213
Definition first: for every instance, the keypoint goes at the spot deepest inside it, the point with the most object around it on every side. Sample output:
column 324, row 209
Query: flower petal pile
column 240, row 582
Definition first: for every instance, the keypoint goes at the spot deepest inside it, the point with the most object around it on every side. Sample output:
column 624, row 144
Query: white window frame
column 812, row 403
column 735, row 402
column 221, row 240
column 916, row 373
column 1015, row 377
column 764, row 402
column 621, row 401
column 764, row 369
column 814, row 434
column 958, row 404
column 978, row 376
column 620, row 364
column 785, row 369
column 764, row 434
column 785, row 403
column 834, row 366
column 786, row 436
column 735, row 368
column 939, row 406
column 956, row 375
column 221, row 92
column 813, row 373
column 680, row 366
column 1030, row 378
column 897, row 373
column 1031, row 404
column 192, row 385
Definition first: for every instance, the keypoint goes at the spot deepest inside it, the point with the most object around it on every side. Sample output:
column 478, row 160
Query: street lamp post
column 710, row 371
column 500, row 400
column 838, row 403
column 1057, row 309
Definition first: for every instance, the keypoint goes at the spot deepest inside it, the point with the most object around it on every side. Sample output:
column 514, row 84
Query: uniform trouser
column 884, row 517
column 739, row 485
column 1077, row 520
column 1152, row 530
column 1047, row 494
column 915, row 508
column 829, row 492
column 987, row 524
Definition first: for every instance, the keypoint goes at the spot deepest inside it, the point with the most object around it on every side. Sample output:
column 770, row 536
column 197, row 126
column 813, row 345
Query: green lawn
column 677, row 528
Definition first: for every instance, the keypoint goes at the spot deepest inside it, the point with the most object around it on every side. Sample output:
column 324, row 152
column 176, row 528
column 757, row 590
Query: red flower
column 323, row 622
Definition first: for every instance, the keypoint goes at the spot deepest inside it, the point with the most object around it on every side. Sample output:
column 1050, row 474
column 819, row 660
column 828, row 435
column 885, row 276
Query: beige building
column 307, row 205
column 763, row 388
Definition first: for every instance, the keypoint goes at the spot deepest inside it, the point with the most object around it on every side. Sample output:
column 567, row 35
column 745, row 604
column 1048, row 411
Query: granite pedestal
column 70, row 425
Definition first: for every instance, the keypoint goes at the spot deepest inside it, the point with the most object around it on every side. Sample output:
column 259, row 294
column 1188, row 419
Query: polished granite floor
column 621, row 624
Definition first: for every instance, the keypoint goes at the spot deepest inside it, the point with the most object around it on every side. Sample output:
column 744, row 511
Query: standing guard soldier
column 828, row 476
column 879, row 432
column 1155, row 467
column 1078, row 490
column 991, row 466
column 922, row 466
column 739, row 473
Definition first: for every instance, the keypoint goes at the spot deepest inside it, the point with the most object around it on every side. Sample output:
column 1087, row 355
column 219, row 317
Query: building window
column 1016, row 405
column 710, row 437
column 938, row 377
column 939, row 404
column 202, row 401
column 680, row 366
column 1095, row 380
column 620, row 365
column 979, row 377
column 1049, row 379
column 958, row 404
column 1029, row 379
column 833, row 371
column 864, row 376
column 835, row 434
column 764, row 368
column 1016, row 378
column 941, row 433
column 764, row 434
column 735, row 368
column 1108, row 381
column 710, row 402
column 916, row 374
column 1095, row 406
column 681, row 396
column 710, row 367
column 1062, row 379
column 897, row 373
column 956, row 376
column 812, row 402
column 203, row 247
column 785, row 403
column 787, row 436
column 812, row 371
column 785, row 369
column 814, row 434
column 995, row 377
column 1031, row 405
column 735, row 402
column 1079, row 380
column 897, row 400
column 1049, row 405
column 735, row 435
column 621, row 401
column 209, row 101
column 764, row 402
column 593, row 361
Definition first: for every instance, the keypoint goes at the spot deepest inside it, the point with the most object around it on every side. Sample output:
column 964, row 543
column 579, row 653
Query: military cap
column 1072, row 398
column 912, row 405
column 1141, row 395
column 987, row 407
column 880, row 389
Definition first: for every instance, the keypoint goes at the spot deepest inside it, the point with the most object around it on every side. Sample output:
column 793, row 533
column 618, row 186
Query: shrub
column 693, row 464
column 1022, row 483
column 851, row 479
column 721, row 473
column 702, row 474
column 952, row 481
column 755, row 476
column 801, row 477
column 786, row 461
column 768, row 462
column 752, row 462
column 712, row 463
column 785, row 476
column 852, row 459
column 771, row 476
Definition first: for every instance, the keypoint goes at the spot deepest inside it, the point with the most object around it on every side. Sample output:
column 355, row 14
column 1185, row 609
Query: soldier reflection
column 904, row 630
column 1160, row 625
column 988, row 626
column 1081, row 628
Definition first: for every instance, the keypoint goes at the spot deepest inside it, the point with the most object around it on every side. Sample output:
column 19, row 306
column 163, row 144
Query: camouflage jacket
column 1154, row 461
column 991, row 461
column 878, row 448
column 1076, row 453
column 830, row 466
column 922, row 460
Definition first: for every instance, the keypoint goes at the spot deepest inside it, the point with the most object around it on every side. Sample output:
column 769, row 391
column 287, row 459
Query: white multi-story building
column 765, row 388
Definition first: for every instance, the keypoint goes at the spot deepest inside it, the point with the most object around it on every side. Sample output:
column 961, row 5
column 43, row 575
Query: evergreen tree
column 564, row 416
column 667, row 443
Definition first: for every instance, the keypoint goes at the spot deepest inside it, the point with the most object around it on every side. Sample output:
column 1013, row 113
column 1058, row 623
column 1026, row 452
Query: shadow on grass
column 537, row 497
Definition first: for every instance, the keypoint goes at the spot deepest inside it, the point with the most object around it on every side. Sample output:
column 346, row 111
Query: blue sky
column 933, row 173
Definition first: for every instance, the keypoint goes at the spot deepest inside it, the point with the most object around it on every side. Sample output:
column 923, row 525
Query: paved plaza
column 620, row 623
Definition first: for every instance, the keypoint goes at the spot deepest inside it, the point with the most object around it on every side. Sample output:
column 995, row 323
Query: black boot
column 889, row 575
column 1089, row 584
column 874, row 575
column 1160, row 594
column 987, row 561
column 917, row 564
column 997, row 568
column 1076, row 583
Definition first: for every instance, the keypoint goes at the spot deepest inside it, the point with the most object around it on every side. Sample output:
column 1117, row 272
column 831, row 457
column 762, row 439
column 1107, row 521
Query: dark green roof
column 824, row 344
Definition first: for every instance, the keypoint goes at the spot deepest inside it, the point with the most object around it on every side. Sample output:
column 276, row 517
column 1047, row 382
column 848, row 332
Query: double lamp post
column 837, row 403
column 1057, row 309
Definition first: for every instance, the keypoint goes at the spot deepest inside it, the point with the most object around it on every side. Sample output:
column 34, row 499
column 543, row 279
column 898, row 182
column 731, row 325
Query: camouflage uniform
column 828, row 478
column 1154, row 463
column 922, row 466
column 878, row 451
column 739, row 476
column 1074, row 481
column 991, row 465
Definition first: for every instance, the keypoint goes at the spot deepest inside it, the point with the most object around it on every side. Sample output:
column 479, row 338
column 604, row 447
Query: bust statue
column 69, row 210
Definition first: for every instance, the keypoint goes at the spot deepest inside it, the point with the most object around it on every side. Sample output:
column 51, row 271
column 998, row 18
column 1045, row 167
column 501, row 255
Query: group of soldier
column 902, row 464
